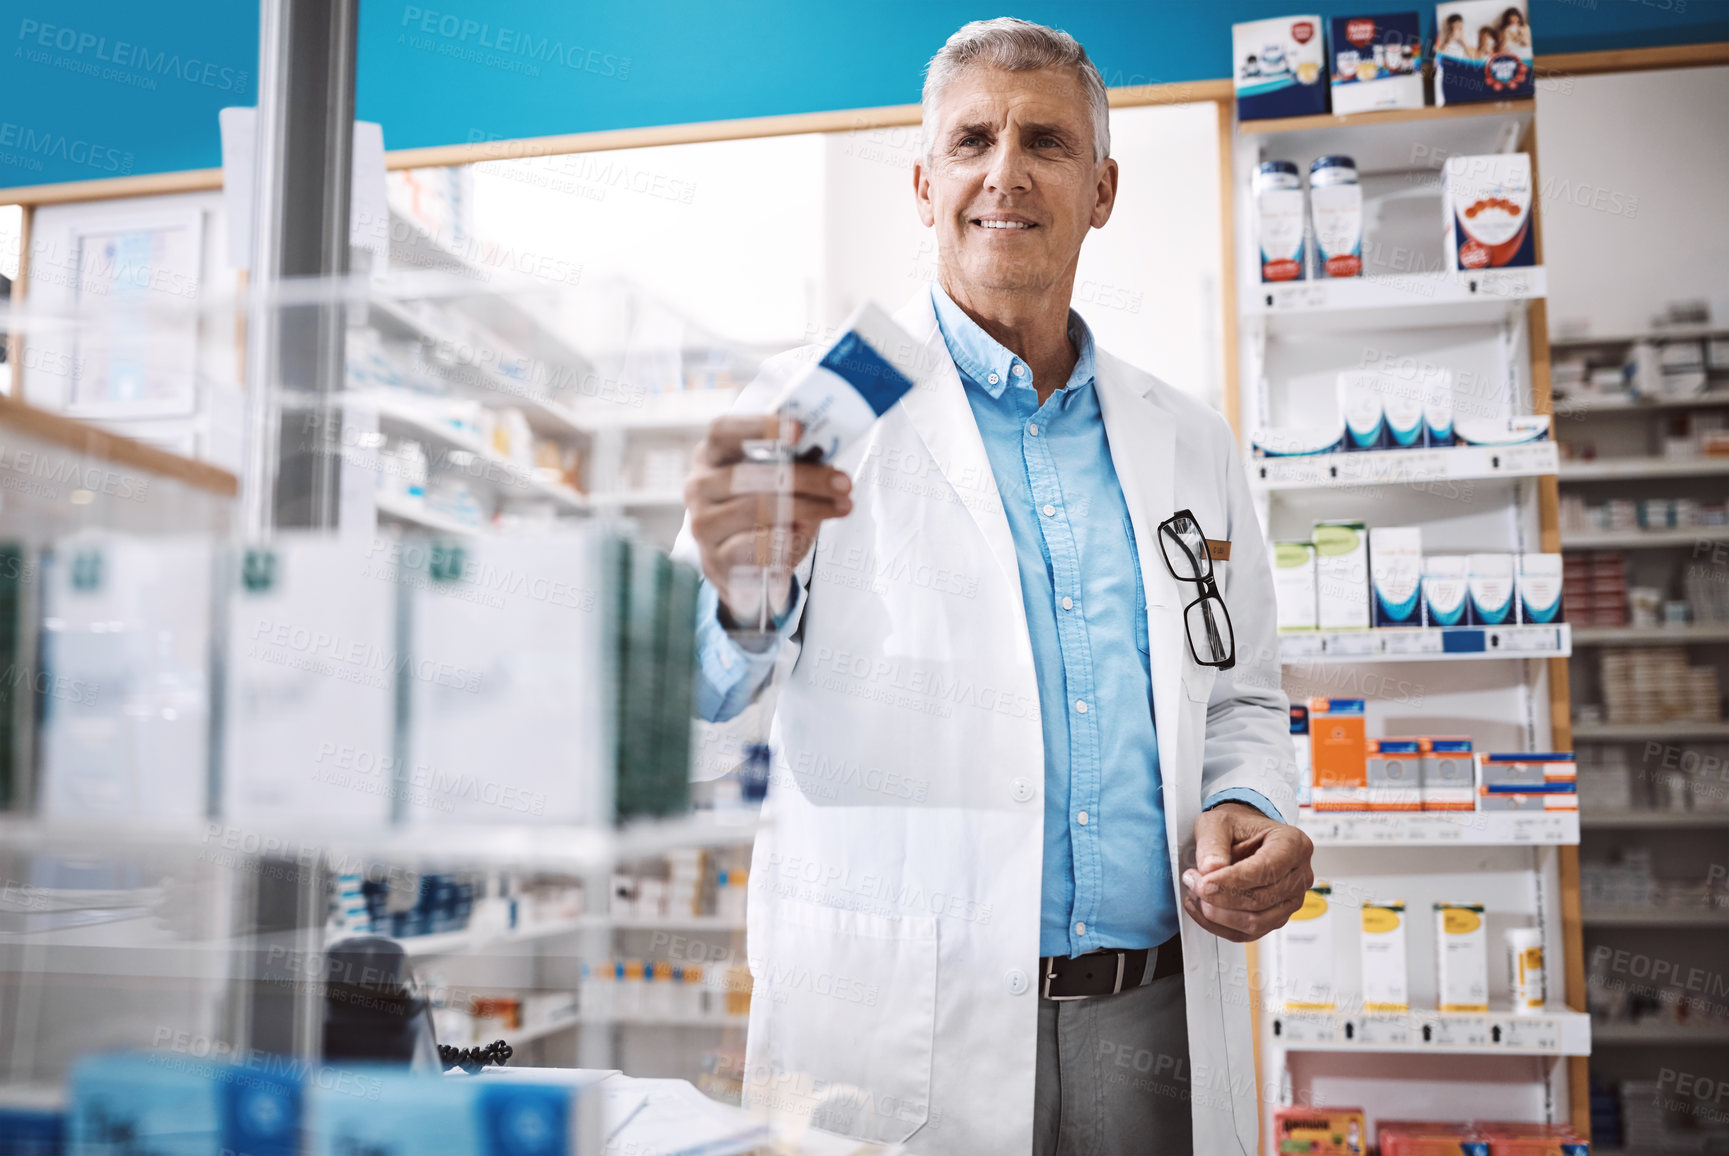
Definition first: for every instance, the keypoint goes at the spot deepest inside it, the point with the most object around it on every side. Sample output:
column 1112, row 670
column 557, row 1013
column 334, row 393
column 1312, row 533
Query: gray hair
column 1017, row 46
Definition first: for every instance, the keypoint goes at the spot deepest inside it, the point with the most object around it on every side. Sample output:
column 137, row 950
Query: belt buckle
column 1050, row 974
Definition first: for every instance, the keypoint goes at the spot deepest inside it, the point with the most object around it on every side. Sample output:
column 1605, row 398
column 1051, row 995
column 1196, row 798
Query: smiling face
column 1010, row 185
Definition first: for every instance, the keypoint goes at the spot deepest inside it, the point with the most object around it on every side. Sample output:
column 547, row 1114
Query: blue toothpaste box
column 864, row 371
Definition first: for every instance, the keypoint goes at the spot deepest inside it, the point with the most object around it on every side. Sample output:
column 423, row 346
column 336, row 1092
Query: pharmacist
column 1031, row 760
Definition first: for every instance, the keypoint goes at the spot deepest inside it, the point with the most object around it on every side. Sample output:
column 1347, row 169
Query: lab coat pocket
column 850, row 1020
column 1198, row 682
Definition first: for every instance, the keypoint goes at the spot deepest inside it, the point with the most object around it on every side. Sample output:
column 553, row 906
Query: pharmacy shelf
column 414, row 512
column 1637, row 732
column 1586, row 404
column 497, row 472
column 1661, row 635
column 1641, row 539
column 1654, row 820
column 1552, row 1033
column 1657, row 917
column 670, row 922
column 1632, row 468
column 555, row 1022
column 670, row 1021
column 681, row 412
column 1419, row 644
column 1384, row 142
column 472, row 941
column 1439, row 828
column 1659, row 1034
column 1407, row 301
column 1402, row 467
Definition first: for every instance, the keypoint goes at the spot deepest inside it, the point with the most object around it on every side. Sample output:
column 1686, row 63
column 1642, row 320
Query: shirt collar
column 987, row 364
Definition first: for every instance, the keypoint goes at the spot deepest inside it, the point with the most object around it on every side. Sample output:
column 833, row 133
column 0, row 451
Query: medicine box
column 1294, row 584
column 1377, row 62
column 1438, row 408
column 1483, row 52
column 1395, row 574
column 1489, row 589
column 1402, row 409
column 388, row 1112
column 1447, row 778
column 1300, row 747
column 1461, row 958
column 1385, row 987
column 1360, row 406
column 1280, row 67
column 1528, row 782
column 1338, row 752
column 1321, row 1131
column 1393, row 774
column 1487, row 201
column 1539, row 588
column 1305, row 953
column 162, row 1102
column 1445, row 588
column 1280, row 225
column 1341, row 575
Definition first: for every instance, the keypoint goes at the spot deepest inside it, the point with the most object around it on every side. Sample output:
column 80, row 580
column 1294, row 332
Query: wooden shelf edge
column 84, row 438
column 1385, row 116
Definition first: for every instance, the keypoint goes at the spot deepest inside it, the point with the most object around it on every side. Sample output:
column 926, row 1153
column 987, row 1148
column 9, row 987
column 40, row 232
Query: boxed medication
column 1539, row 588
column 1445, row 585
column 1377, row 62
column 1546, row 781
column 1280, row 67
column 1482, row 52
column 864, row 371
column 124, row 1104
column 1294, row 584
column 1487, row 200
column 1393, row 775
column 1395, row 574
column 1296, row 441
column 1525, row 976
column 1461, row 958
column 1301, row 753
column 1306, row 954
column 1338, row 754
column 1279, row 224
column 1437, row 391
column 1361, row 408
column 1489, row 589
column 1502, row 431
column 518, row 1112
column 1336, row 210
column 1341, row 575
column 1402, row 411
column 1321, row 1131
column 1447, row 776
column 1383, row 945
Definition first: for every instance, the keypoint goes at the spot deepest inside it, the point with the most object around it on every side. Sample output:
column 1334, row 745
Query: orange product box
column 1429, row 1138
column 1321, row 1131
column 1338, row 754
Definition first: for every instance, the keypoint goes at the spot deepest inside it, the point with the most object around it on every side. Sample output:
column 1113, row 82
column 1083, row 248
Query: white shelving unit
column 1497, row 684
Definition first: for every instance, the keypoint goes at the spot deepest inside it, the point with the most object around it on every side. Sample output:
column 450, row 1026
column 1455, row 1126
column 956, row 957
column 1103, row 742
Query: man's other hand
column 1249, row 875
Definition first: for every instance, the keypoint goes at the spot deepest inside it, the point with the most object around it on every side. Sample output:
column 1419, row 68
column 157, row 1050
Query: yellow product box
column 1385, row 988
column 1461, row 958
column 1305, row 954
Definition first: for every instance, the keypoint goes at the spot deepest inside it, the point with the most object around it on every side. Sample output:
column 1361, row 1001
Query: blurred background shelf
column 1683, row 633
column 1612, row 469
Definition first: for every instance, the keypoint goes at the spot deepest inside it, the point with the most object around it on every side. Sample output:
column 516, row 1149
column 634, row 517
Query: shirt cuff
column 1243, row 795
column 729, row 673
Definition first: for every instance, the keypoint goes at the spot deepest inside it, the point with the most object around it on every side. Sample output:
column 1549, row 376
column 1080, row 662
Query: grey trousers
column 1113, row 1075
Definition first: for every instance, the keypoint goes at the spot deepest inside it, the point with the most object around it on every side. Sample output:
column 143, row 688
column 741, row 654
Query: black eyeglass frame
column 1209, row 587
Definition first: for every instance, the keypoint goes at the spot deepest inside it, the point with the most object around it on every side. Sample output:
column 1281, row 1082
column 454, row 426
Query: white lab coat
column 894, row 894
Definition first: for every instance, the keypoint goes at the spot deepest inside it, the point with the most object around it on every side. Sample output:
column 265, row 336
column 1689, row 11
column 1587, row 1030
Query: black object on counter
column 372, row 1008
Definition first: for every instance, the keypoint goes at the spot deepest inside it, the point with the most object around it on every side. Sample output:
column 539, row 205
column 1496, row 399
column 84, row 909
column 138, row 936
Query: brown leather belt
column 1108, row 970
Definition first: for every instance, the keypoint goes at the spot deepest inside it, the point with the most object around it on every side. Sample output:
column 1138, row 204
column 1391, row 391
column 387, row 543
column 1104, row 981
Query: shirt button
column 1020, row 790
column 1015, row 980
column 1033, row 429
column 1050, row 510
column 993, row 379
column 1081, row 706
column 1068, row 603
column 1081, row 818
column 1080, row 929
column 1020, row 371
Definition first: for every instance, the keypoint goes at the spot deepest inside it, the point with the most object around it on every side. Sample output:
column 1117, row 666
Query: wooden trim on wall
column 1229, row 366
column 1633, row 59
column 115, row 188
column 99, row 443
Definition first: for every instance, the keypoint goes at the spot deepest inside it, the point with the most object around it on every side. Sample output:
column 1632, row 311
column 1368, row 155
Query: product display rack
column 1489, row 329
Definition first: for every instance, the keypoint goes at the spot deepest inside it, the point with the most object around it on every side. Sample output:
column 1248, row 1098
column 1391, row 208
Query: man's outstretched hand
column 1249, row 874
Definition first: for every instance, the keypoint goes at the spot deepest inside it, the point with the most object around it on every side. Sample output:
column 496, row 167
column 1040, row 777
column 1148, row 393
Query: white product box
column 1438, row 409
column 1393, row 769
column 1395, row 574
column 1448, row 778
column 1385, row 986
column 1279, row 221
column 865, row 370
column 1306, row 954
column 1279, row 67
column 1503, row 431
column 1525, row 972
column 1446, row 589
column 1489, row 589
column 1360, row 407
column 1488, row 207
column 1336, row 218
column 1296, row 441
column 1461, row 958
column 1539, row 583
column 1377, row 62
column 1341, row 575
column 1402, row 409
column 124, row 685
column 1294, row 584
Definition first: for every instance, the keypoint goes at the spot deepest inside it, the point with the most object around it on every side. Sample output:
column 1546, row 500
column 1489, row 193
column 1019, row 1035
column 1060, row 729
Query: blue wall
column 449, row 71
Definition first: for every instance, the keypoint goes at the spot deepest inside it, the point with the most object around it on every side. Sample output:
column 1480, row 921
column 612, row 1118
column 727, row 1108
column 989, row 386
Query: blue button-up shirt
column 1107, row 878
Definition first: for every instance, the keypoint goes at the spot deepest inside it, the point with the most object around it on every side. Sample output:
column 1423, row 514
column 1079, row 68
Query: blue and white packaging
column 1377, row 62
column 1489, row 589
column 1487, row 200
column 1279, row 221
column 404, row 1114
column 864, row 371
column 1539, row 583
column 1396, row 574
column 1360, row 407
column 1336, row 214
column 1296, row 441
column 168, row 1104
column 1446, row 579
column 1402, row 411
column 1483, row 52
column 1280, row 67
column 1502, row 431
column 1438, row 408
